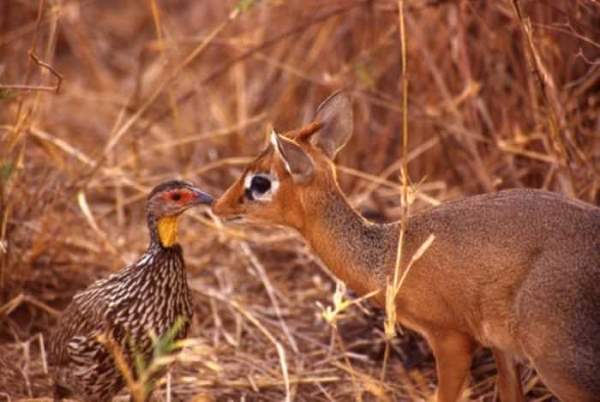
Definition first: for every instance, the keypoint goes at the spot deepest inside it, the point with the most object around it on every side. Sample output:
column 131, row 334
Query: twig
column 21, row 298
column 26, row 87
column 174, row 74
column 278, row 347
column 269, row 288
column 393, row 287
column 535, row 63
column 297, row 29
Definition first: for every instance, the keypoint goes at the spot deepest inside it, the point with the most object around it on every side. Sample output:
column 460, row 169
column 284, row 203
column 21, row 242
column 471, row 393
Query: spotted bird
column 148, row 297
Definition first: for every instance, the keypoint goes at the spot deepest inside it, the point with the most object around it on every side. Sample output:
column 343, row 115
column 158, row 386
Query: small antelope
column 516, row 271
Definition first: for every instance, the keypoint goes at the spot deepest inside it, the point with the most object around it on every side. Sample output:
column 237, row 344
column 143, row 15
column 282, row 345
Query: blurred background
column 101, row 100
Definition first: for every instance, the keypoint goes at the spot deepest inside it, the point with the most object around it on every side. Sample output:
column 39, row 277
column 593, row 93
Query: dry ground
column 154, row 89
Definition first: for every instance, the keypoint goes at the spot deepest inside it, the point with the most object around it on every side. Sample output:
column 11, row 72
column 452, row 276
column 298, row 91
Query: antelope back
column 294, row 172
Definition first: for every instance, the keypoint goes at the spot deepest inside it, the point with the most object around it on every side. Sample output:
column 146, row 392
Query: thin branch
column 44, row 88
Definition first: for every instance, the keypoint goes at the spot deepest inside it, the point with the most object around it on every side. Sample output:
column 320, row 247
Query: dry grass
column 500, row 94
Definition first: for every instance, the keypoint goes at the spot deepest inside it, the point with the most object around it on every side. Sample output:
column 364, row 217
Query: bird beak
column 202, row 197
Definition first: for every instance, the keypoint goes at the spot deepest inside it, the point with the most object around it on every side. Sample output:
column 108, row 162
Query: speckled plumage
column 144, row 298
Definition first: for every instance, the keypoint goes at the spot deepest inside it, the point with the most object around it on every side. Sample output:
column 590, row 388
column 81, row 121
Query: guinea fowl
column 148, row 297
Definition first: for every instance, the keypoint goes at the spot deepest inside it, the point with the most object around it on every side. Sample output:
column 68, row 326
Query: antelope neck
column 354, row 249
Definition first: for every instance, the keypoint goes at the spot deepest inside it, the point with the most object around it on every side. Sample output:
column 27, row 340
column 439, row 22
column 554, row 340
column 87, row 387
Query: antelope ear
column 297, row 162
column 335, row 114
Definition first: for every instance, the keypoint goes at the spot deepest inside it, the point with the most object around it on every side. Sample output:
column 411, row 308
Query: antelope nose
column 220, row 208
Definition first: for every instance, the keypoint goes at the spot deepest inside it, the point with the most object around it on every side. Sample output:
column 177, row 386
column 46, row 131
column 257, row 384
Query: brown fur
column 516, row 271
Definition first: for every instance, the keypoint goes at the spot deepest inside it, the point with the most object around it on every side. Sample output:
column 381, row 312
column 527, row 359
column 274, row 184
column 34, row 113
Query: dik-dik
column 516, row 271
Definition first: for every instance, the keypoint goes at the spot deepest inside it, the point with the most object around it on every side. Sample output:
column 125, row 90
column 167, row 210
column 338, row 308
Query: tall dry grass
column 500, row 94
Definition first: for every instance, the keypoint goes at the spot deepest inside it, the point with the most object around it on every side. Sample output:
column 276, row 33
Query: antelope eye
column 260, row 184
column 176, row 196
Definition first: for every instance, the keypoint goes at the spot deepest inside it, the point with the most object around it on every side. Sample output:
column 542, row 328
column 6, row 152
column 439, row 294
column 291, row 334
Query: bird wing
column 78, row 321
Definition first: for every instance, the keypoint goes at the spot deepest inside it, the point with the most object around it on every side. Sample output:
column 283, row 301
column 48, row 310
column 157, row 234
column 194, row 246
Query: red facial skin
column 181, row 197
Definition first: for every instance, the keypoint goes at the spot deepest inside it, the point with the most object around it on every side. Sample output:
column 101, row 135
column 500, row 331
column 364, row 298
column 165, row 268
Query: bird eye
column 176, row 196
column 260, row 184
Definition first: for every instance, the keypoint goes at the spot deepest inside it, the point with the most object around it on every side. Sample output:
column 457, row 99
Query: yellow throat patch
column 167, row 230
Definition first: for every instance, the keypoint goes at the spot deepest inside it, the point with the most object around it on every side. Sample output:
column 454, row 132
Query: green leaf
column 7, row 94
column 138, row 358
column 363, row 72
column 166, row 343
column 6, row 170
column 245, row 5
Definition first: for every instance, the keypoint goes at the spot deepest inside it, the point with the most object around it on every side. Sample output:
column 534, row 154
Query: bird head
column 168, row 201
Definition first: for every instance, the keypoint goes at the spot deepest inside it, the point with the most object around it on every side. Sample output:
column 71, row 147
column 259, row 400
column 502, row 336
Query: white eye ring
column 257, row 196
